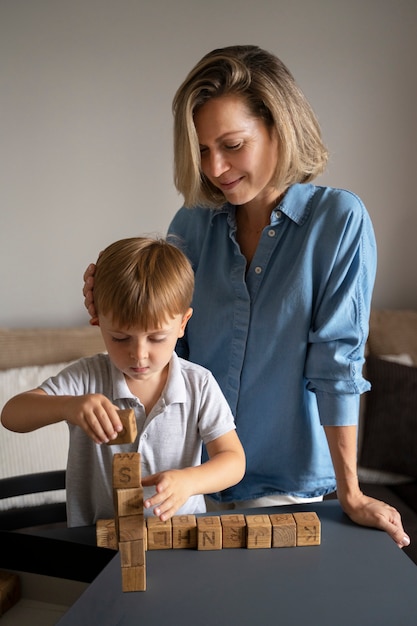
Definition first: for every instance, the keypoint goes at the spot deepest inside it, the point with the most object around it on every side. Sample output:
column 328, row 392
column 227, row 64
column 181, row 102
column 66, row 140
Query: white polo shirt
column 191, row 410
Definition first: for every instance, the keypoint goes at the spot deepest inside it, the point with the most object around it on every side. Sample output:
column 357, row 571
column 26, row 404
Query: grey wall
column 85, row 126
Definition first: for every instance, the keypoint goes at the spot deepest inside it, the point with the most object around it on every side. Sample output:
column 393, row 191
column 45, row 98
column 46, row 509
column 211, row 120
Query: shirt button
column 278, row 214
column 258, row 270
column 271, row 232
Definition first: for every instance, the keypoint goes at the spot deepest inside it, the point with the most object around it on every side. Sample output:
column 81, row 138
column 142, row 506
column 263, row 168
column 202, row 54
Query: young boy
column 143, row 289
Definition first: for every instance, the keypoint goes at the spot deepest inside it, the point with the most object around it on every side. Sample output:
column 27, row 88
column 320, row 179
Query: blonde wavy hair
column 142, row 282
column 270, row 93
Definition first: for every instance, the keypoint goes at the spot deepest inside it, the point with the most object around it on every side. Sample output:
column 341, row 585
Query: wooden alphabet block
column 130, row 527
column 308, row 529
column 130, row 430
column 284, row 534
column 234, row 531
column 132, row 553
column 184, row 531
column 10, row 590
column 159, row 534
column 258, row 531
column 128, row 501
column 134, row 578
column 209, row 533
column 126, row 470
column 106, row 534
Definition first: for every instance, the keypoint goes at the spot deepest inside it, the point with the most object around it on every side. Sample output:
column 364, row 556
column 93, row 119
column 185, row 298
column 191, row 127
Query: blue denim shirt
column 284, row 338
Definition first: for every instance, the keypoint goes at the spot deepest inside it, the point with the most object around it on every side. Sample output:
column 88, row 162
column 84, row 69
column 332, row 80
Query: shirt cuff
column 338, row 409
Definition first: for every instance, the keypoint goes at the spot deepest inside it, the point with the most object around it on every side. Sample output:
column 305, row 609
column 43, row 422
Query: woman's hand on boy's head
column 95, row 415
column 89, row 294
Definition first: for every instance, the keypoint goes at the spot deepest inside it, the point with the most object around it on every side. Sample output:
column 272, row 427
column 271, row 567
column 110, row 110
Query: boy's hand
column 96, row 415
column 173, row 488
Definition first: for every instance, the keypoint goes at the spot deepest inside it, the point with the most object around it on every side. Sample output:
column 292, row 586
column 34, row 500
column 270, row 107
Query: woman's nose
column 217, row 164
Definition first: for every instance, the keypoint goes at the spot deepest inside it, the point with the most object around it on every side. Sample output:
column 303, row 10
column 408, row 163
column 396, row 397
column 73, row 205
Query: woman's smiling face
column 238, row 154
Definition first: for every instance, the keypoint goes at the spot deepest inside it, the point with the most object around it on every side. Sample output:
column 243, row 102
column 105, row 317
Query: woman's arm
column 225, row 467
column 360, row 508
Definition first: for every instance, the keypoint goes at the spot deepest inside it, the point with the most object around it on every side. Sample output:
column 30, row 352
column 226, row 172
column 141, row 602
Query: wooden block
column 10, row 590
column 159, row 534
column 130, row 527
column 258, row 531
column 126, row 470
column 234, row 531
column 284, row 534
column 134, row 578
column 130, row 430
column 132, row 553
column 184, row 531
column 128, row 501
column 209, row 533
column 106, row 534
column 308, row 529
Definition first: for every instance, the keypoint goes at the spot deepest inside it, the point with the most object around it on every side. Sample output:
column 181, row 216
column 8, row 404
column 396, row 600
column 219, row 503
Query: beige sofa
column 27, row 357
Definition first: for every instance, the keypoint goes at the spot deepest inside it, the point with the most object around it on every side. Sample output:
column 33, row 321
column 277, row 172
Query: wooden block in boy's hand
column 308, row 529
column 130, row 431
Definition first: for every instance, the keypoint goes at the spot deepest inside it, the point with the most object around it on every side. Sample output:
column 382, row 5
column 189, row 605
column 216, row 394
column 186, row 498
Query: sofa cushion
column 393, row 332
column 21, row 347
column 389, row 438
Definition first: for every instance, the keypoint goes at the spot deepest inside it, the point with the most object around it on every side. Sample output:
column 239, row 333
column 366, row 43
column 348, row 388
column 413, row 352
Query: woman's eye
column 235, row 146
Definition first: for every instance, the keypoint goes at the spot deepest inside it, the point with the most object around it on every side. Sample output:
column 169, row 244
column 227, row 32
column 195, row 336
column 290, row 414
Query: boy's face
column 142, row 355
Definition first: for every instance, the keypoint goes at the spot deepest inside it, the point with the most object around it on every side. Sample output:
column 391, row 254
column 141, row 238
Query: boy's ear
column 185, row 319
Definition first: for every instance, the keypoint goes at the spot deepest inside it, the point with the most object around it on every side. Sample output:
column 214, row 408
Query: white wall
column 85, row 126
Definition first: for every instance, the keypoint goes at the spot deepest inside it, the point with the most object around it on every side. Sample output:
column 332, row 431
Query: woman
column 284, row 272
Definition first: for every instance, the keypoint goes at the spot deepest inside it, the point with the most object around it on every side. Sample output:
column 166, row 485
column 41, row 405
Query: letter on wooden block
column 308, row 529
column 284, row 533
column 128, row 501
column 134, row 578
column 126, row 470
column 159, row 534
column 234, row 531
column 209, row 533
column 258, row 531
column 106, row 534
column 130, row 430
column 9, row 590
column 184, row 531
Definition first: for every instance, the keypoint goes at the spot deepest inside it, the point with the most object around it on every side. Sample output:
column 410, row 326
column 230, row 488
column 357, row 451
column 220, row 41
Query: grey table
column 357, row 576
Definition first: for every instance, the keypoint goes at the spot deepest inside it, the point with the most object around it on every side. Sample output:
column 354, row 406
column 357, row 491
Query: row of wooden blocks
column 132, row 534
column 215, row 532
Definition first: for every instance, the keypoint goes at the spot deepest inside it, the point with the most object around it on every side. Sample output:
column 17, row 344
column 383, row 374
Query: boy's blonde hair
column 271, row 94
column 142, row 282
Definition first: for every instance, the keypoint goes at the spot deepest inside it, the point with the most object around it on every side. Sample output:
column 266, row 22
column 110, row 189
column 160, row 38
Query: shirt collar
column 174, row 390
column 296, row 204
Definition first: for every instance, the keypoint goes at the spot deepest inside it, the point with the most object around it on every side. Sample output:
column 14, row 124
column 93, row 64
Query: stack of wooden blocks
column 129, row 521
